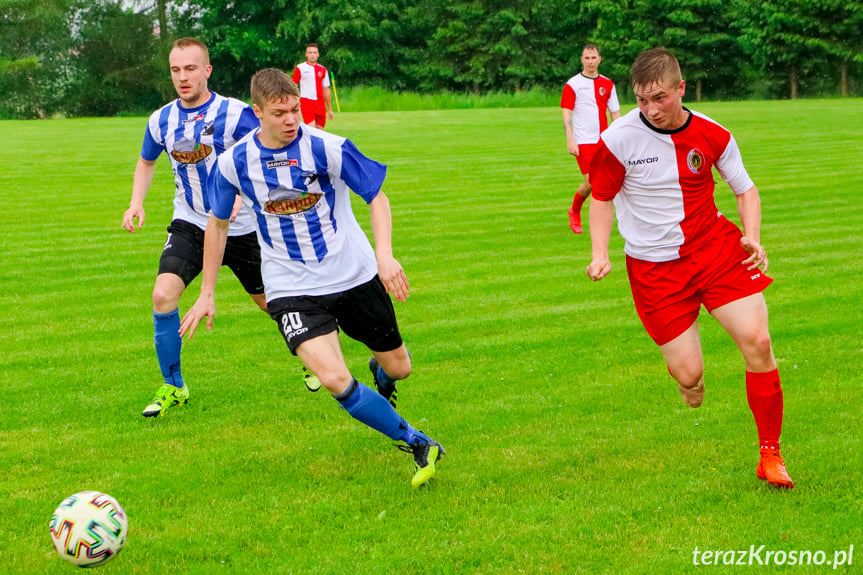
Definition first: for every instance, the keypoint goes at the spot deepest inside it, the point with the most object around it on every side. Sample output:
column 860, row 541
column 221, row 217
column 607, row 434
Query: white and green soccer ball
column 89, row 528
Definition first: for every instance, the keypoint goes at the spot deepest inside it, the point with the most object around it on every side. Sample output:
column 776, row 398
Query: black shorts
column 183, row 255
column 365, row 313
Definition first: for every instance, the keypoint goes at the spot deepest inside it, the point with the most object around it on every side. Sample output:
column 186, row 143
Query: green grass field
column 569, row 447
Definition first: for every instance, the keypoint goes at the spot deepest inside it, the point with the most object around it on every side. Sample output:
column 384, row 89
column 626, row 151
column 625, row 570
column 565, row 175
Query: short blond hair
column 653, row 66
column 272, row 85
column 182, row 43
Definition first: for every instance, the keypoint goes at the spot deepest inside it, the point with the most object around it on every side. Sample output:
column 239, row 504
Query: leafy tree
column 484, row 45
column 696, row 31
column 839, row 23
column 240, row 35
column 35, row 51
column 781, row 35
column 116, row 62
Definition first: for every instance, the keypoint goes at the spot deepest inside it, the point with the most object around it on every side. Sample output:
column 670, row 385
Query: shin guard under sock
column 166, row 327
column 370, row 408
column 764, row 393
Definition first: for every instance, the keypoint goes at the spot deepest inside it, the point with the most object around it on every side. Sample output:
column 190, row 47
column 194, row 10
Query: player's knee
column 335, row 379
column 687, row 375
column 759, row 345
column 399, row 370
column 164, row 300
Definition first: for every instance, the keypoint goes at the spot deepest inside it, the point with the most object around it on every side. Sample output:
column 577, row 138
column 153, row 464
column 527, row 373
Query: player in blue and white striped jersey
column 193, row 130
column 320, row 271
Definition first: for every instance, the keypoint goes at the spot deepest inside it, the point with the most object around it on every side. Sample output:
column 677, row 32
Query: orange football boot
column 771, row 468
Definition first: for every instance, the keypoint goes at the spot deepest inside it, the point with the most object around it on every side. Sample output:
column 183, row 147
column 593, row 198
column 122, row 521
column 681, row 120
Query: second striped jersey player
column 192, row 130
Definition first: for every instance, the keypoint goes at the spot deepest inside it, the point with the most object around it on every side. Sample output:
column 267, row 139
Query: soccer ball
column 89, row 528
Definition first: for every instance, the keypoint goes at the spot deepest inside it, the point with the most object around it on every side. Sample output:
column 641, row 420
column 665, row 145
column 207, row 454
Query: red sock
column 577, row 202
column 764, row 393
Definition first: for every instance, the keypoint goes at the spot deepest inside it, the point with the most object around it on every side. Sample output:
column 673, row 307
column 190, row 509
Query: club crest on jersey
column 602, row 91
column 189, row 151
column 286, row 201
column 695, row 160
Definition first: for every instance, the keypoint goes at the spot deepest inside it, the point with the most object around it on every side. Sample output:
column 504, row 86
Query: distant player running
column 587, row 98
column 656, row 164
column 314, row 82
column 321, row 272
column 193, row 130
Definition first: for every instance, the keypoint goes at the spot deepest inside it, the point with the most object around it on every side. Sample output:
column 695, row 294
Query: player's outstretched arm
column 140, row 184
column 389, row 269
column 601, row 222
column 214, row 249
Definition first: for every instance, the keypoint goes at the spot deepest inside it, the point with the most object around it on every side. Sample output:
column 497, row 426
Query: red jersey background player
column 656, row 164
column 314, row 83
column 587, row 98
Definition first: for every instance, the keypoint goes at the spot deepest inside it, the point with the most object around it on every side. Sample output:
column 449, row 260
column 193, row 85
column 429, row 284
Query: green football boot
column 426, row 452
column 310, row 379
column 167, row 397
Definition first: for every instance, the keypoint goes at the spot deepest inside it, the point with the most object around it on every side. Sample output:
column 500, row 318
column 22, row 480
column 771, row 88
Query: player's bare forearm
column 601, row 222
column 571, row 146
column 389, row 269
column 749, row 209
column 215, row 239
column 328, row 101
column 140, row 185
column 238, row 205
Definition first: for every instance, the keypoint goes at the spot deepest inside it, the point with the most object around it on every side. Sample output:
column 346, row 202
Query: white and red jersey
column 312, row 80
column 589, row 99
column 662, row 184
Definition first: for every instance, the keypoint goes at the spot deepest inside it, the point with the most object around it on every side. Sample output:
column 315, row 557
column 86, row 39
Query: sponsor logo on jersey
column 273, row 164
column 189, row 151
column 642, row 161
column 286, row 201
column 193, row 119
column 695, row 160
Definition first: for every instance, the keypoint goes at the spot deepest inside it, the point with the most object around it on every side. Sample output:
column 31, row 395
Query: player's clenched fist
column 598, row 269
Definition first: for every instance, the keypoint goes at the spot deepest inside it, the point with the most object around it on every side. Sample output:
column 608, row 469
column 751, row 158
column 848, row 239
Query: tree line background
column 109, row 57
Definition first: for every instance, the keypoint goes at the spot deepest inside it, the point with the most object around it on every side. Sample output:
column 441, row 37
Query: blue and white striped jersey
column 193, row 138
column 311, row 243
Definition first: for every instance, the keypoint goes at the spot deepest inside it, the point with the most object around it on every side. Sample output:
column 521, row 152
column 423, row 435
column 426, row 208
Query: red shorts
column 668, row 295
column 585, row 156
column 313, row 111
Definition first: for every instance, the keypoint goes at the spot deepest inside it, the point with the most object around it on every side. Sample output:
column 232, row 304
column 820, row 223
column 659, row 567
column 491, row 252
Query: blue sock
column 168, row 343
column 384, row 380
column 370, row 408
